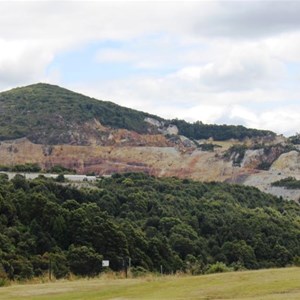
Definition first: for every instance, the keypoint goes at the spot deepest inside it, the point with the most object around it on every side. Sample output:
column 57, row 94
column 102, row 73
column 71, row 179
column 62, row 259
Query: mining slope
column 51, row 126
column 156, row 157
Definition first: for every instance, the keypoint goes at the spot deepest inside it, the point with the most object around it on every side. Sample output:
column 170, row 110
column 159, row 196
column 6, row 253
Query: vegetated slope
column 49, row 114
column 46, row 114
column 177, row 224
column 198, row 130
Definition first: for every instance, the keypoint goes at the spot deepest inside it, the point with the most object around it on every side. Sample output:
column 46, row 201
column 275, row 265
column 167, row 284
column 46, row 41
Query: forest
column 199, row 130
column 152, row 223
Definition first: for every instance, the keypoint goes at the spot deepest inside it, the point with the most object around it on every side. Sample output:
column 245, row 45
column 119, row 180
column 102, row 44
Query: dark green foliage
column 290, row 183
column 45, row 114
column 264, row 165
column 218, row 267
column 207, row 147
column 138, row 271
column 295, row 139
column 198, row 131
column 84, row 260
column 48, row 114
column 236, row 153
column 58, row 169
column 179, row 225
column 3, row 276
column 60, row 178
column 28, row 167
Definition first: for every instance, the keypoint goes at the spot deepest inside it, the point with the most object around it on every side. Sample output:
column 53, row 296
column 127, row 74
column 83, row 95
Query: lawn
column 263, row 284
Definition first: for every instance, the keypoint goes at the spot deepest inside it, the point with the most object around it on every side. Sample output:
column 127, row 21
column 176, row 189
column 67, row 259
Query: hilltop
column 49, row 114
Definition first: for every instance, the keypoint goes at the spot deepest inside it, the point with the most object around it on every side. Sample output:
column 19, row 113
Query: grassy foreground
column 263, row 284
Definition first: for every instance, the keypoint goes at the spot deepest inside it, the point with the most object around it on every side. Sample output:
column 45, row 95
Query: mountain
column 48, row 114
column 53, row 115
column 50, row 126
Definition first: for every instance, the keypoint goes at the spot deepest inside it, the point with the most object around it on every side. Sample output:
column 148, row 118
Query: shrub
column 60, row 178
column 84, row 261
column 3, row 276
column 218, row 267
column 138, row 271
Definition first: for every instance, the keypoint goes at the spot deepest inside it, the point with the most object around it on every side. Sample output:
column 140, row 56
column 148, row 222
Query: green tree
column 84, row 261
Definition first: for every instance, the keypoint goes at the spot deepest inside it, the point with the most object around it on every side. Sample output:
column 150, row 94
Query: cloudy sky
column 233, row 62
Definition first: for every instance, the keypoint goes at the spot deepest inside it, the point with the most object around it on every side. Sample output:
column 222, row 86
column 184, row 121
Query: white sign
column 105, row 263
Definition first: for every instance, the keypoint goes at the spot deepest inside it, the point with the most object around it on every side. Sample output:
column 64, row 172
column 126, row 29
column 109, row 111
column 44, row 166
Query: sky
column 222, row 62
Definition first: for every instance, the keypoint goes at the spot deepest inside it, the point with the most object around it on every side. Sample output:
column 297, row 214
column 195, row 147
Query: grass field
column 263, row 284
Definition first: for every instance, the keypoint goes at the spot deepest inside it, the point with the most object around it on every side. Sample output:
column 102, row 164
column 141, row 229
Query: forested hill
column 45, row 113
column 177, row 224
column 49, row 114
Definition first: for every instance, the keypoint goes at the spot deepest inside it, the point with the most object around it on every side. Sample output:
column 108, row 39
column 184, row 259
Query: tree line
column 156, row 223
column 198, row 130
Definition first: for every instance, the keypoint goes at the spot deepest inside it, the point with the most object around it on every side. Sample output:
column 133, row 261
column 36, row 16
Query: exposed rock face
column 170, row 129
column 264, row 179
column 264, row 157
column 67, row 128
column 287, row 162
column 125, row 151
column 286, row 165
column 160, row 160
column 154, row 122
column 186, row 142
column 252, row 158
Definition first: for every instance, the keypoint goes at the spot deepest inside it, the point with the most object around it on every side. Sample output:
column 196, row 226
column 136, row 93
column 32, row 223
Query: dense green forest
column 179, row 225
column 45, row 113
column 290, row 183
column 49, row 114
column 198, row 131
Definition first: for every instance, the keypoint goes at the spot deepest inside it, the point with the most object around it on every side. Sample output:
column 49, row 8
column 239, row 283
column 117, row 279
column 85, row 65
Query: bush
column 264, row 166
column 297, row 261
column 84, row 261
column 56, row 263
column 138, row 271
column 289, row 183
column 3, row 276
column 22, row 268
column 28, row 167
column 58, row 169
column 218, row 267
column 60, row 178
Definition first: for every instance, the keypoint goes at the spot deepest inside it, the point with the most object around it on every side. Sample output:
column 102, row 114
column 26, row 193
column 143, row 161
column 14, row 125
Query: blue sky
column 234, row 62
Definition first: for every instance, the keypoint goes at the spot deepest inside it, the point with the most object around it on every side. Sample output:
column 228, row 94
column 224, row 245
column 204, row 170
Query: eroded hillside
column 156, row 155
column 52, row 126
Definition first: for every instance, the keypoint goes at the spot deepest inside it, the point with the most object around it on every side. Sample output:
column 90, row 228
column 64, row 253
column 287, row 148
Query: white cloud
column 250, row 19
column 114, row 55
column 22, row 61
column 285, row 47
column 209, row 60
column 240, row 67
column 285, row 121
